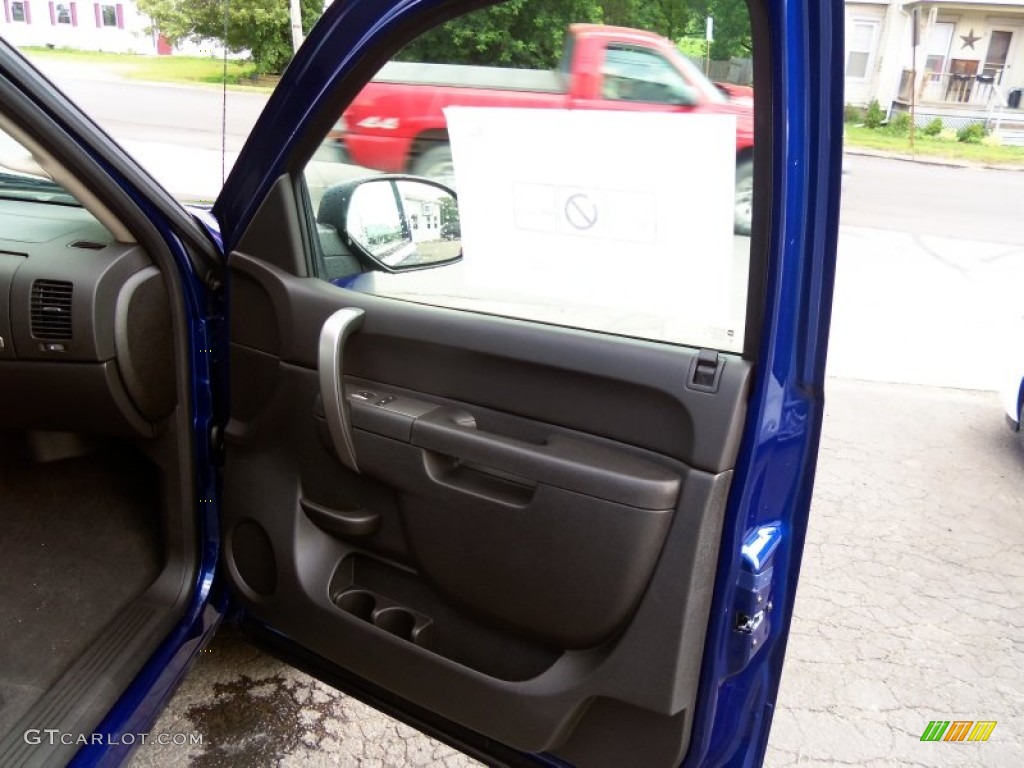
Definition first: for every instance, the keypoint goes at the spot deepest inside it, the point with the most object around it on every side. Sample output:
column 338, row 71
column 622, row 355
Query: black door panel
column 508, row 554
column 509, row 365
column 557, row 565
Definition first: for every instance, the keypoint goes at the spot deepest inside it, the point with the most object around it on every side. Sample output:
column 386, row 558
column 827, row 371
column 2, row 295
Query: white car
column 1011, row 396
column 1011, row 392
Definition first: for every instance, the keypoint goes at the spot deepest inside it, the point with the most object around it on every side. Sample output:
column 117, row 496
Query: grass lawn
column 162, row 69
column 879, row 138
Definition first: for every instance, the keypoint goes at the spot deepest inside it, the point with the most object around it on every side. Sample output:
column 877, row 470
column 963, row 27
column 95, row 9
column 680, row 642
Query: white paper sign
column 618, row 210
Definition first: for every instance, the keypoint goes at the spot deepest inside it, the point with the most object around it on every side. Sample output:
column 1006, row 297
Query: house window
column 60, row 13
column 107, row 15
column 938, row 47
column 860, row 44
column 19, row 11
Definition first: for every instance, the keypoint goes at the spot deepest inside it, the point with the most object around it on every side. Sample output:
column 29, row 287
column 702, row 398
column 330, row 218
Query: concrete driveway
column 909, row 605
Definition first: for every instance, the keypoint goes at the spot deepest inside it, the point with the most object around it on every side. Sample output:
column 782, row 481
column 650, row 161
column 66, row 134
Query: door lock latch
column 752, row 600
column 749, row 624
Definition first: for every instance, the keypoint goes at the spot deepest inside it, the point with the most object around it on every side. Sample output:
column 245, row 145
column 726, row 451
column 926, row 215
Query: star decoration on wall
column 969, row 40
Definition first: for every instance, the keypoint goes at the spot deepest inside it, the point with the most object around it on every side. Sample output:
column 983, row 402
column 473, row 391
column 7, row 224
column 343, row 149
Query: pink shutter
column 28, row 12
column 74, row 14
column 7, row 11
column 53, row 14
column 120, row 15
column 99, row 14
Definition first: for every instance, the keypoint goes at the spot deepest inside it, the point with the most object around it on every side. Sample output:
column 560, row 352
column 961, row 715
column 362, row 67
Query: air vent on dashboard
column 89, row 245
column 51, row 309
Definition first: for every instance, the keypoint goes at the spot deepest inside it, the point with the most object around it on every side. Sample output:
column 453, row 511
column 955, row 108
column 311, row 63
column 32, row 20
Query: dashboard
column 86, row 339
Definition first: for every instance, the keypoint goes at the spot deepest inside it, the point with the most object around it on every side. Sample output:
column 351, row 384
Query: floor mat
column 79, row 539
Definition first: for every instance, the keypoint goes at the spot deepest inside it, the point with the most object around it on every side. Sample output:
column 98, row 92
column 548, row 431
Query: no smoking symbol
column 581, row 212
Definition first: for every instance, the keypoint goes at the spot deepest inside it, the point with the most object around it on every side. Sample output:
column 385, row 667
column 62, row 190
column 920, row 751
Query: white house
column 96, row 26
column 969, row 63
column 89, row 26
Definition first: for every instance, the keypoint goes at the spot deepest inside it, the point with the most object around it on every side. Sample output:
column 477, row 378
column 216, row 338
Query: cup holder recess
column 358, row 602
column 383, row 614
column 397, row 621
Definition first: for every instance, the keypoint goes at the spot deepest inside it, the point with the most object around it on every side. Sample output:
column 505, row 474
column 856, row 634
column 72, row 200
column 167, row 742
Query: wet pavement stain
column 252, row 722
column 252, row 710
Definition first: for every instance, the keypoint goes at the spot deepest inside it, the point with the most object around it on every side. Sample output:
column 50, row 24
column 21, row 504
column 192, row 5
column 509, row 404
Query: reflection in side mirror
column 403, row 223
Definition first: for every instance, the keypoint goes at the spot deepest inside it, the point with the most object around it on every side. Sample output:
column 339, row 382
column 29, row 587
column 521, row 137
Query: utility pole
column 295, row 14
column 709, row 35
column 914, row 35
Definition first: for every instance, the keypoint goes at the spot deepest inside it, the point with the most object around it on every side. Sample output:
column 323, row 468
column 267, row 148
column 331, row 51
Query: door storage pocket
column 399, row 602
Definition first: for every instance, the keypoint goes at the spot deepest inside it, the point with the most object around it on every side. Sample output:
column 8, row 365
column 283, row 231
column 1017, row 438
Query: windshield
column 21, row 177
column 169, row 112
column 697, row 78
column 16, row 186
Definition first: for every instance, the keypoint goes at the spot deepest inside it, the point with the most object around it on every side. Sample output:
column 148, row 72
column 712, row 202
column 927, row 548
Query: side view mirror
column 396, row 223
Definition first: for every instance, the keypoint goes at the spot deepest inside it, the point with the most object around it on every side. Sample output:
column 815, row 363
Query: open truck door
column 545, row 527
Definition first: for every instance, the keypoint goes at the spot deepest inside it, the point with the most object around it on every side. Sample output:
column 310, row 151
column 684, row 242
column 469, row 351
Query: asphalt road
column 156, row 112
column 173, row 131
column 964, row 203
column 928, row 280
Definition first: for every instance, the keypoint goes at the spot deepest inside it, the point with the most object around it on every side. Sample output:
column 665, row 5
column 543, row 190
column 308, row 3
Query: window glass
column 63, row 14
column 17, row 11
column 635, row 74
column 938, row 47
column 859, row 47
column 109, row 16
column 603, row 173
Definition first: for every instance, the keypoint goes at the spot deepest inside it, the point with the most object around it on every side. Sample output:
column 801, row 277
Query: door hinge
column 705, row 371
column 752, row 605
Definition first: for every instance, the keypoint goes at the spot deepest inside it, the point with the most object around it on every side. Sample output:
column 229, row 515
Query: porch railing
column 949, row 88
column 996, row 104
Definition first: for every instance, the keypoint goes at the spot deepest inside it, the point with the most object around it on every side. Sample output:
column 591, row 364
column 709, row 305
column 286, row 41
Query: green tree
column 258, row 26
column 530, row 33
column 639, row 14
column 731, row 31
column 515, row 33
column 451, row 225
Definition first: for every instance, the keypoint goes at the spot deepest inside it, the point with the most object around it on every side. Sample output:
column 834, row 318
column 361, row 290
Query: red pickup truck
column 397, row 124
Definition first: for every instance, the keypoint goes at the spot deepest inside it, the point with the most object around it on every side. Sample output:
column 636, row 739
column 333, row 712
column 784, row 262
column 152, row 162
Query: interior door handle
column 333, row 335
column 563, row 462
